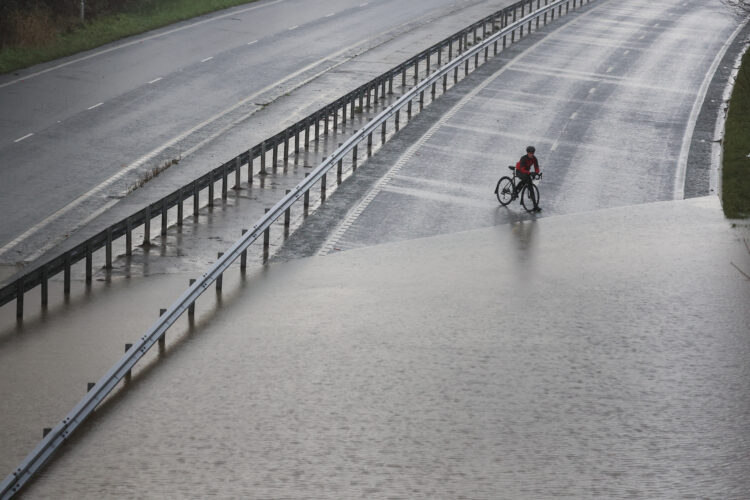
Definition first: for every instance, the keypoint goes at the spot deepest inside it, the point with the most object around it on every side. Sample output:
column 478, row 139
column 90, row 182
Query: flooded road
column 596, row 351
column 538, row 359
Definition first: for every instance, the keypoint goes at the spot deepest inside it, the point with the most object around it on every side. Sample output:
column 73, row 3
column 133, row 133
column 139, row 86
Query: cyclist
column 523, row 171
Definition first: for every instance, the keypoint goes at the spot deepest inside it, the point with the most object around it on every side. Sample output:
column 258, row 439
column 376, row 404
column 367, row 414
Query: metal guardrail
column 62, row 431
column 281, row 143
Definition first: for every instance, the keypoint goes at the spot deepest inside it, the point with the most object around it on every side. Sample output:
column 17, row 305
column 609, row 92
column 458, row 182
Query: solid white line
column 140, row 40
column 207, row 59
column 679, row 181
column 155, row 80
column 24, row 137
column 95, row 105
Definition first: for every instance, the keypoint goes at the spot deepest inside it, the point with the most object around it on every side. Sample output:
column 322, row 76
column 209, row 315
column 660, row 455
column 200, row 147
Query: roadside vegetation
column 735, row 178
column 36, row 31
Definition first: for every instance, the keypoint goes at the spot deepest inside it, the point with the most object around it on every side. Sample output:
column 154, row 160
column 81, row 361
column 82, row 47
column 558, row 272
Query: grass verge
column 735, row 177
column 143, row 16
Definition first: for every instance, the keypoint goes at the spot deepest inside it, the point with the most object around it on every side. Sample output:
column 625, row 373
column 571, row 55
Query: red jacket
column 524, row 165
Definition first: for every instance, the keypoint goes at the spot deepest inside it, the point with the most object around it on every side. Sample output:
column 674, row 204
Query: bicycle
column 506, row 191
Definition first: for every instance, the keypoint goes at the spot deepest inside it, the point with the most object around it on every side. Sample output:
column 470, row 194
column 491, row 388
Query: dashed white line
column 330, row 15
column 573, row 116
column 592, row 90
column 609, row 70
column 24, row 137
column 364, row 4
column 95, row 105
column 155, row 80
column 293, row 27
column 626, row 52
column 254, row 41
column 207, row 59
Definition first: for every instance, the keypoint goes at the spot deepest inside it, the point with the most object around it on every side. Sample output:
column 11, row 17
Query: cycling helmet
column 530, row 149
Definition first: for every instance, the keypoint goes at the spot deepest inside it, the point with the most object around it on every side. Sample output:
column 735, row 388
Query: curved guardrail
column 62, row 431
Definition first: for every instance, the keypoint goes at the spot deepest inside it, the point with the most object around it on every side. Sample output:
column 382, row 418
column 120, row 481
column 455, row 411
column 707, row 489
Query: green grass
column 735, row 177
column 143, row 17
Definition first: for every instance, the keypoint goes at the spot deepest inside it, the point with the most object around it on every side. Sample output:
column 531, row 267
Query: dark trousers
column 525, row 180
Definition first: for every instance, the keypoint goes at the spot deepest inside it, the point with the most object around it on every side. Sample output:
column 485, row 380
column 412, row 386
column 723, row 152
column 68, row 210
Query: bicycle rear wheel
column 504, row 190
column 529, row 194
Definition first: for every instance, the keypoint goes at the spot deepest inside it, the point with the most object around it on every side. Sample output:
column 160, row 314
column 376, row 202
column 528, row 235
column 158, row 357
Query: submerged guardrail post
column 19, row 297
column 220, row 277
column 163, row 338
column 266, row 240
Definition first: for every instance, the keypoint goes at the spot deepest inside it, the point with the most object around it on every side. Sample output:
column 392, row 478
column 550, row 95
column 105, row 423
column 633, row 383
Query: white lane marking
column 364, row 4
column 95, row 105
column 679, row 181
column 293, row 27
column 254, row 41
column 592, row 90
column 155, row 80
column 24, row 137
column 330, row 15
column 609, row 70
column 207, row 59
column 140, row 40
column 626, row 52
column 573, row 116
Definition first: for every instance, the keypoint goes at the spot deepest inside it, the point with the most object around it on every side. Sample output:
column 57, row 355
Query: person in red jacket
column 523, row 171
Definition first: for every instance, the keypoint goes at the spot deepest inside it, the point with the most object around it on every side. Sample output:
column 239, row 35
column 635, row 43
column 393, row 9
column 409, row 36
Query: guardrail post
column 439, row 55
column 243, row 255
column 307, row 133
column 286, row 146
column 196, row 199
column 546, row 2
column 45, row 287
column 368, row 97
column 266, row 240
column 163, row 338
column 275, row 155
column 343, row 113
column 375, row 92
column 288, row 213
column 180, row 201
column 220, row 278
column 326, row 116
column 128, row 237
column 421, row 100
column 191, row 307
column 382, row 133
column 445, row 83
column 250, row 159
column 224, row 181
column 335, row 117
column 163, row 216
column 369, row 142
column 211, row 182
column 339, row 168
column 237, row 176
column 408, row 110
column 129, row 373
column 19, row 297
column 296, row 140
column 66, row 275
column 433, row 91
column 108, row 250
column 90, row 386
column 398, row 113
column 317, row 126
column 263, row 158
column 89, row 263
column 354, row 158
column 403, row 77
column 323, row 187
column 450, row 49
column 306, row 198
column 428, row 58
column 390, row 83
column 523, row 12
column 416, row 70
column 147, row 226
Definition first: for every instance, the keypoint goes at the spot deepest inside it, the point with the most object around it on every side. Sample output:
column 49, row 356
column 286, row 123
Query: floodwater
column 595, row 355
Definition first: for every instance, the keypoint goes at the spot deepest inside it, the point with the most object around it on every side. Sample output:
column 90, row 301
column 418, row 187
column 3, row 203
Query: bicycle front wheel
column 530, row 197
column 504, row 190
